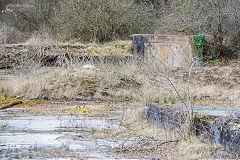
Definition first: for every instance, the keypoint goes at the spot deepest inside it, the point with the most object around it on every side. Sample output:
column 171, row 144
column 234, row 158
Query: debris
column 89, row 66
column 11, row 105
column 19, row 97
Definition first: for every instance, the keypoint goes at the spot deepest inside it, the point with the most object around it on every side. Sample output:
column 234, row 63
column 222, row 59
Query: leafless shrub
column 9, row 35
column 29, row 16
column 101, row 20
column 215, row 17
column 41, row 40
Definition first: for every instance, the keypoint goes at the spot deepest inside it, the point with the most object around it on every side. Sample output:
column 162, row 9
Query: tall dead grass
column 41, row 39
column 169, row 143
column 145, row 82
column 122, row 82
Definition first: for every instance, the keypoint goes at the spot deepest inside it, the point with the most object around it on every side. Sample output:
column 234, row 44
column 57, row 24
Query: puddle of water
column 53, row 123
column 23, row 133
column 25, row 140
column 22, row 140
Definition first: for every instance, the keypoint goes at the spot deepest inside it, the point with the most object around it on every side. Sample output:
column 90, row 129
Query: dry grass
column 5, row 89
column 139, row 126
column 40, row 40
column 124, row 82
column 212, row 83
column 44, row 40
column 131, row 81
column 157, row 142
column 72, row 84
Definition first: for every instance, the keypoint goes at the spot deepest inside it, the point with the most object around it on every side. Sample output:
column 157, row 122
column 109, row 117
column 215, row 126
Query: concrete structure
column 170, row 50
column 219, row 125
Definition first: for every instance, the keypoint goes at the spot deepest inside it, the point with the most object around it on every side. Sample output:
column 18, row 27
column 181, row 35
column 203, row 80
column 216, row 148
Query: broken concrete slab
column 218, row 125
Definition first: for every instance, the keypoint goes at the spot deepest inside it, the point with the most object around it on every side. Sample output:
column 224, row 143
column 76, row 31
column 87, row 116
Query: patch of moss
column 3, row 126
column 28, row 102
column 80, row 110
column 218, row 61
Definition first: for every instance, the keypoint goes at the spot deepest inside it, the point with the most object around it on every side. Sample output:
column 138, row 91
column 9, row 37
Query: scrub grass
column 145, row 82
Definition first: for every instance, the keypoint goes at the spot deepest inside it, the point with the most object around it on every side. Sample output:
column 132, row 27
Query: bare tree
column 220, row 18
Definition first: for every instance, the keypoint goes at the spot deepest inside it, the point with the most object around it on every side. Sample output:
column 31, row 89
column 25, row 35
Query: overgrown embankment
column 56, row 72
column 50, row 54
column 131, row 81
column 77, row 84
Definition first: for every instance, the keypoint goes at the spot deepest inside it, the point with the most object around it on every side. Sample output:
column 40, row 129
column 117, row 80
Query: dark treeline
column 104, row 20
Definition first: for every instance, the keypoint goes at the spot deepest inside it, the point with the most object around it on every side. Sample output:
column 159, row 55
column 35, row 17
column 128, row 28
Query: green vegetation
column 218, row 61
column 198, row 44
column 4, row 126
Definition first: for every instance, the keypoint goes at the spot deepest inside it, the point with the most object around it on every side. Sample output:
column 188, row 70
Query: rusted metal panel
column 170, row 50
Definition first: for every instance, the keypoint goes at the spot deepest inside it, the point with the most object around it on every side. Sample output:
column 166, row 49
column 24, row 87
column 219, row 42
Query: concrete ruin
column 170, row 50
column 217, row 125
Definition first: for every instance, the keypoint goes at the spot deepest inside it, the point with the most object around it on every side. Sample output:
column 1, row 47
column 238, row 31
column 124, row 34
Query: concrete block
column 226, row 132
column 170, row 50
column 218, row 125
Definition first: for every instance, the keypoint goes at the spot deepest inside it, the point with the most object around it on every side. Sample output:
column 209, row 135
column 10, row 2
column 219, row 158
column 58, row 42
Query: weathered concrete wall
column 170, row 50
column 164, row 117
column 219, row 125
